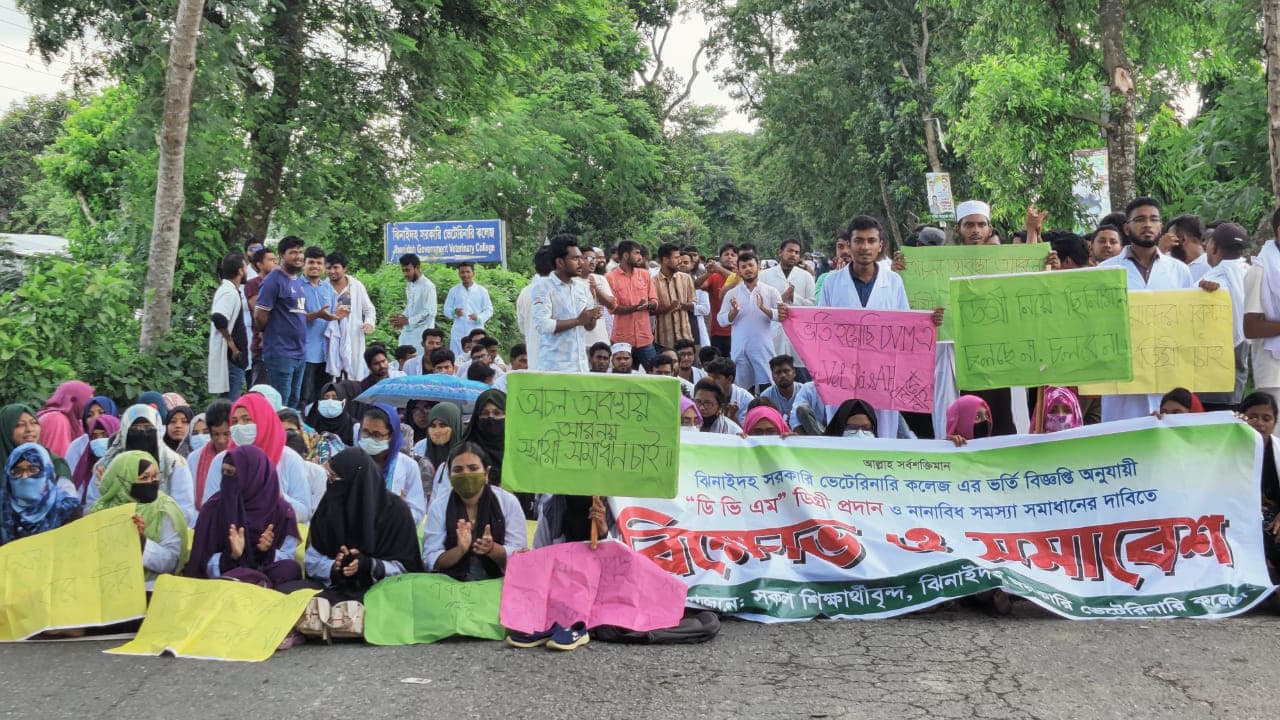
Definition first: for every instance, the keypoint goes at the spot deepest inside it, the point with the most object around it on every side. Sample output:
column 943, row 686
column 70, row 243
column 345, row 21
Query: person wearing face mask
column 141, row 429
column 487, row 429
column 217, row 418
column 254, row 422
column 176, row 429
column 1146, row 269
column 380, row 436
column 31, row 501
column 133, row 477
column 330, row 417
column 101, row 430
column 99, row 405
column 690, row 418
column 360, row 534
column 765, row 421
column 853, row 419
column 709, row 399
column 1061, row 410
column 18, row 425
column 197, row 437
column 968, row 418
column 247, row 530
column 444, row 433
column 470, row 529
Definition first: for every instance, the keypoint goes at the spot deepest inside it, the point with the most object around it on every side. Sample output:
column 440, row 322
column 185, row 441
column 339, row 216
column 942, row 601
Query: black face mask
column 140, row 439
column 982, row 429
column 144, row 492
column 492, row 426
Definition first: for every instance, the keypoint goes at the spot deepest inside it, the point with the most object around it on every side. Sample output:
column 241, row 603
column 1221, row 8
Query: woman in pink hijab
column 62, row 418
column 969, row 417
column 763, row 420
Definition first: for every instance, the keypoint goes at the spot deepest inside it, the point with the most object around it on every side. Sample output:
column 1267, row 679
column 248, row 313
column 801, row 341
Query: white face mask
column 244, row 435
column 198, row 440
column 99, row 446
column 690, row 429
column 330, row 408
column 374, row 447
column 856, row 433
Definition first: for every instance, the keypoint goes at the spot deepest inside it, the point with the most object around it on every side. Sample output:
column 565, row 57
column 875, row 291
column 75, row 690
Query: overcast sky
column 23, row 73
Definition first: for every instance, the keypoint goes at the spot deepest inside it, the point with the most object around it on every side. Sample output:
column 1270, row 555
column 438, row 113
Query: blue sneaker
column 570, row 638
column 532, row 640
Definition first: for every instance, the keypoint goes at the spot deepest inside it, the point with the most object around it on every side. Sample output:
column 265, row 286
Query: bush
column 386, row 289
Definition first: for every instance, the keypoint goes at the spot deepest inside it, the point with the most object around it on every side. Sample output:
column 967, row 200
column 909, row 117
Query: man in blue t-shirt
column 280, row 311
column 320, row 297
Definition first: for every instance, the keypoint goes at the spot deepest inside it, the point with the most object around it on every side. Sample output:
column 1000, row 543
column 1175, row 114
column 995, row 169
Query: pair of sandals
column 339, row 621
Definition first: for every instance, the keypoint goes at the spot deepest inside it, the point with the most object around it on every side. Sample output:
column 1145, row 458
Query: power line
column 30, row 69
column 20, row 27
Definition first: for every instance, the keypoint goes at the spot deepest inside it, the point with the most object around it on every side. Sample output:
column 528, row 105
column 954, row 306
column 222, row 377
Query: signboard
column 449, row 242
column 937, row 187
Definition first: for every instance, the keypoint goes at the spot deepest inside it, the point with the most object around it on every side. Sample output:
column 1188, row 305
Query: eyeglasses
column 23, row 473
column 705, row 403
column 375, row 435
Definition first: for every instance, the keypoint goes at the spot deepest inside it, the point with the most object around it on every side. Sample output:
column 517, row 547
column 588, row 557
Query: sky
column 23, row 73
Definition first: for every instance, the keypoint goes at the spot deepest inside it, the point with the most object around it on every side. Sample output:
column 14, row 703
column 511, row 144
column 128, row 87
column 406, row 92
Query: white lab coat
column 346, row 337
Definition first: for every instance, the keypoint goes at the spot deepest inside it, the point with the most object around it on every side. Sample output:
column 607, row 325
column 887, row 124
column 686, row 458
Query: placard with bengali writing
column 1181, row 338
column 882, row 356
column 929, row 270
column 1047, row 328
column 598, row 434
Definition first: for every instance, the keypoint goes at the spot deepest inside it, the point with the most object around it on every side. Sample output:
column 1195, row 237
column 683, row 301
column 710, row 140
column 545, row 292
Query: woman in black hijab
column 360, row 534
column 331, row 413
column 865, row 426
column 487, row 429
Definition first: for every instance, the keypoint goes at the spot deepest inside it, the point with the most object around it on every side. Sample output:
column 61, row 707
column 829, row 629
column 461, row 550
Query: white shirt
column 419, row 309
column 1199, row 267
column 752, row 333
column 1230, row 275
column 524, row 319
column 554, row 300
column 433, row 538
column 1266, row 367
column 472, row 300
column 291, row 472
column 804, row 296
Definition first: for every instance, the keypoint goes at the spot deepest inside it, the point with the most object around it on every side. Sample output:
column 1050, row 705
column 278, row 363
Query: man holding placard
column 1147, row 269
column 868, row 285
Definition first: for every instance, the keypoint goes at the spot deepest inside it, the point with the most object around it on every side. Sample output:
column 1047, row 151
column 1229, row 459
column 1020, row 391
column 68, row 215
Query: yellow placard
column 87, row 573
column 215, row 620
column 1181, row 338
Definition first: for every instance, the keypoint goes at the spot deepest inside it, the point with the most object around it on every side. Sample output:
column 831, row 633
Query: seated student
column 968, row 418
column 569, row 518
column 247, row 530
column 330, row 418
column 293, row 425
column 18, row 425
column 99, row 405
column 706, row 355
column 1179, row 401
column 360, row 534
column 271, row 394
column 1259, row 410
column 134, row 478
column 785, row 390
column 621, row 362
column 443, row 362
column 62, row 417
column 141, row 429
column 417, row 416
column 765, row 421
column 176, row 427
column 494, row 358
column 853, row 419
column 317, row 478
column 404, row 355
column 101, row 430
column 690, row 418
column 381, row 437
column 481, row 372
column 31, row 501
column 254, row 422
column 709, row 398
column 598, row 357
column 1061, row 411
column 444, row 433
column 723, row 372
column 687, row 354
column 197, row 435
column 218, row 419
column 519, row 357
column 664, row 364
column 470, row 529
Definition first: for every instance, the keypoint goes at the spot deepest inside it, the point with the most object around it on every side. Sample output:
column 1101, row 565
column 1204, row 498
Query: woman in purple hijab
column 246, row 531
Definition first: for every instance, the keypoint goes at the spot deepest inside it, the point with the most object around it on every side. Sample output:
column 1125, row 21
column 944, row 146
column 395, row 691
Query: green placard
column 417, row 608
column 930, row 269
column 598, row 434
column 1044, row 328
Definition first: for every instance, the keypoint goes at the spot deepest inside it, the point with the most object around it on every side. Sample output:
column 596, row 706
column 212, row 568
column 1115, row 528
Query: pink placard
column 884, row 357
column 570, row 582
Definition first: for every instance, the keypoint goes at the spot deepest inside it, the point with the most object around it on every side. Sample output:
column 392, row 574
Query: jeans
column 285, row 375
column 235, row 382
column 643, row 356
column 313, row 378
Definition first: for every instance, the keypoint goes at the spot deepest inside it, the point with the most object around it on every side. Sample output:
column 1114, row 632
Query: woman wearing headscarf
column 690, row 418
column 381, row 437
column 1061, row 411
column 62, row 417
column 133, row 477
column 471, row 529
column 361, row 534
column 417, row 414
column 197, row 437
column 142, row 429
column 30, row 500
column 1179, row 401
column 174, row 400
column 176, row 429
column 156, row 401
column 271, row 394
column 488, row 430
column 444, row 433
column 330, row 417
column 969, row 417
column 18, row 425
column 101, row 431
column 853, row 419
column 764, row 420
column 99, row 405
column 254, row 422
column 246, row 531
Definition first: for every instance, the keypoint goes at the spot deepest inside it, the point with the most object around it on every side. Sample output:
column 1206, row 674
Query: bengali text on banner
column 929, row 270
column 1098, row 522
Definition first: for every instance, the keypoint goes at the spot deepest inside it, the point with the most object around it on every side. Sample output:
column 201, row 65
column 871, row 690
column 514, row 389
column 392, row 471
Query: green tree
column 25, row 130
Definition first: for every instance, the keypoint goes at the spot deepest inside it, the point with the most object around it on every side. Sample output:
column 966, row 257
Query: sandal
column 346, row 620
column 312, row 622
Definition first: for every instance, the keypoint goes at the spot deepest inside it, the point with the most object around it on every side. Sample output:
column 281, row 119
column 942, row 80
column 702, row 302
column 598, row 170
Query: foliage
column 25, row 130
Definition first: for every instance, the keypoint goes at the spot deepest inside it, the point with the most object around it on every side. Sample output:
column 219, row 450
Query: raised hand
column 235, row 540
column 464, row 533
column 484, row 545
column 265, row 540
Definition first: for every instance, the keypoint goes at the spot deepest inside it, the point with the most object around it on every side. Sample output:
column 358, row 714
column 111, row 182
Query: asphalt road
column 955, row 663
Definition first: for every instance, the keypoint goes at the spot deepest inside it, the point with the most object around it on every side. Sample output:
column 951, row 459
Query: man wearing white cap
column 974, row 228
column 620, row 359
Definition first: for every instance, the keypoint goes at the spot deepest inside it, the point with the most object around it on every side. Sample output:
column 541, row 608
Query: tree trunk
column 162, row 256
column 1271, row 44
column 922, row 90
column 890, row 218
column 269, row 140
column 1122, row 138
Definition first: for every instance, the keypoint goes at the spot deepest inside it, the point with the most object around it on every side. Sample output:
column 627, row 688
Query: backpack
column 698, row 626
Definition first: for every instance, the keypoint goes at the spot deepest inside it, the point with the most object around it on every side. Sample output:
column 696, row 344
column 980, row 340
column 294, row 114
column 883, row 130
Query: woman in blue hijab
column 30, row 500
